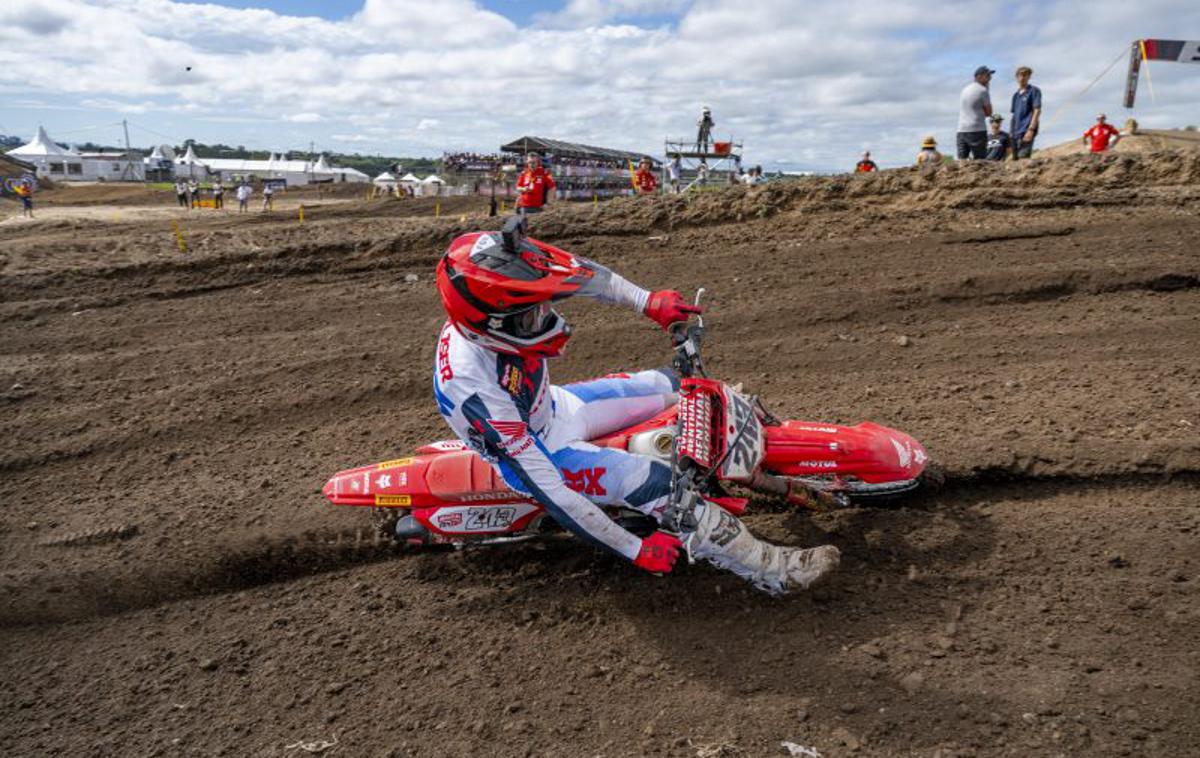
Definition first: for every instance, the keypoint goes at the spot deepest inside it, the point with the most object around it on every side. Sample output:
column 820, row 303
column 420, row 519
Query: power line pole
column 128, row 172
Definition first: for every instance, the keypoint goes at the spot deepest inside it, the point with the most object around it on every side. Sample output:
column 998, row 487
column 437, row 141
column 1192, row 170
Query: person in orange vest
column 645, row 180
column 24, row 191
column 535, row 185
column 866, row 165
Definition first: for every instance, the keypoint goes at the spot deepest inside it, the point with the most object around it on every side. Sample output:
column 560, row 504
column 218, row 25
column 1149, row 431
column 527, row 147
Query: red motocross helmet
column 497, row 288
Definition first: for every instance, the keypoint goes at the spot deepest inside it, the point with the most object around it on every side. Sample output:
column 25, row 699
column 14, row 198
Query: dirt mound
column 1072, row 181
column 1136, row 142
column 171, row 581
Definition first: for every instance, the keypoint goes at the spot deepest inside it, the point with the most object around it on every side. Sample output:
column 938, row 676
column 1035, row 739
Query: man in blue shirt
column 1026, row 114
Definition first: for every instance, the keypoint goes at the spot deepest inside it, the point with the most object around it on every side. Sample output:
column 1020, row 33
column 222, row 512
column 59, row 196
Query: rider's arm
column 664, row 306
column 608, row 286
column 497, row 426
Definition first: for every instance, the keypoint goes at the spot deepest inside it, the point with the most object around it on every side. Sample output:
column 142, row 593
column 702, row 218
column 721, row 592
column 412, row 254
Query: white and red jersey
column 504, row 407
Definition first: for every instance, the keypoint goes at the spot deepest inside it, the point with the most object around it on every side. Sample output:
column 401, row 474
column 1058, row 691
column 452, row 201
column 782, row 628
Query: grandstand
column 582, row 172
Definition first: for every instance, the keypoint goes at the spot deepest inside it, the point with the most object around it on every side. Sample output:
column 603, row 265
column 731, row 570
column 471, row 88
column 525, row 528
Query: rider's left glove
column 667, row 307
column 658, row 554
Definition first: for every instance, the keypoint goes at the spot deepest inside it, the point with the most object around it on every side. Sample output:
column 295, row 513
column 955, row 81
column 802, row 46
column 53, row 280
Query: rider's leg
column 597, row 407
column 724, row 541
column 607, row 476
column 614, row 477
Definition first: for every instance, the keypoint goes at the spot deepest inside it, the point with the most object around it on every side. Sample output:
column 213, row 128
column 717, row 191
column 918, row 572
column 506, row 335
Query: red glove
column 658, row 554
column 668, row 306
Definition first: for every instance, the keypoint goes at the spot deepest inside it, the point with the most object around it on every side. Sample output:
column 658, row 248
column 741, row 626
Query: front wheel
column 853, row 491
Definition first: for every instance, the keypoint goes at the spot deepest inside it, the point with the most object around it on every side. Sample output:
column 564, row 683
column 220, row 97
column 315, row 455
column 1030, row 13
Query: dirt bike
column 716, row 437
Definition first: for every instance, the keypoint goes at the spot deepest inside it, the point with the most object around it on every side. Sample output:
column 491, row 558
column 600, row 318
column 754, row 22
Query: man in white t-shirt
column 974, row 108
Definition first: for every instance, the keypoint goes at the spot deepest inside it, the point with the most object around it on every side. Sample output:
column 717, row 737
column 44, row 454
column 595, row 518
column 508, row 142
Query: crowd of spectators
column 462, row 162
column 981, row 134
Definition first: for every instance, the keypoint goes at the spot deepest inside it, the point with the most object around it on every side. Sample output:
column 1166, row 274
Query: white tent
column 386, row 179
column 53, row 161
column 431, row 185
column 277, row 166
column 190, row 165
column 40, row 146
column 409, row 179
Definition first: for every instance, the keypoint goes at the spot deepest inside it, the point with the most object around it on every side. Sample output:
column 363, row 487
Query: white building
column 277, row 167
column 55, row 162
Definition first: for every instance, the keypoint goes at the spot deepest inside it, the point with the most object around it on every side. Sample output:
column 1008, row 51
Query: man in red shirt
column 535, row 185
column 1100, row 134
column 644, row 179
column 866, row 165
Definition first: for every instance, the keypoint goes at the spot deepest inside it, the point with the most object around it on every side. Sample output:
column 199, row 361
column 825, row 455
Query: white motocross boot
column 724, row 541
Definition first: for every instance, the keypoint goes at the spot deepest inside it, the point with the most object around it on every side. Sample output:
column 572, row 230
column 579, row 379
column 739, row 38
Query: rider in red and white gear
column 492, row 387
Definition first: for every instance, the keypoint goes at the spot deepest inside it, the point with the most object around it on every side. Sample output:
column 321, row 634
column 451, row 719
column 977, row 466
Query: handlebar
column 687, row 339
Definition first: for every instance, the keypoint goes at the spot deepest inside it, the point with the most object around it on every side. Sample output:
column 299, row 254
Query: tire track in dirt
column 49, row 597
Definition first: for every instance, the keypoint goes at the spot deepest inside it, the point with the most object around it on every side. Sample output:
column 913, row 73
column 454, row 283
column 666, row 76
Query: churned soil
column 172, row 582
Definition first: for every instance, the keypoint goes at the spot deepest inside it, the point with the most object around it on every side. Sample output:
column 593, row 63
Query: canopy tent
column 386, row 179
column 277, row 166
column 40, row 146
column 544, row 145
column 52, row 160
column 409, row 179
column 433, row 179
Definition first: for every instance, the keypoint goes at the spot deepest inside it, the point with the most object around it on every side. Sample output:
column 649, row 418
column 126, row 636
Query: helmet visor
column 530, row 322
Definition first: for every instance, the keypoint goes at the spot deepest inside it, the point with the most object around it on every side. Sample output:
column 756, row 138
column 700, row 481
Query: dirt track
column 1046, row 603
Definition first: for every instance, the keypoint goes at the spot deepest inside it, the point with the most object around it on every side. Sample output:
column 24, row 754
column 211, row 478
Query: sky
column 803, row 86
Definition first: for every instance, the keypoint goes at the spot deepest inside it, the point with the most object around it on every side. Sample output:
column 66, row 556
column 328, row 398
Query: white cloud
column 807, row 86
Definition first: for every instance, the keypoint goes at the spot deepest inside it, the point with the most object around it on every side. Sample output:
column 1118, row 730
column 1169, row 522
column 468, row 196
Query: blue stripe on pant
column 608, row 477
column 641, row 384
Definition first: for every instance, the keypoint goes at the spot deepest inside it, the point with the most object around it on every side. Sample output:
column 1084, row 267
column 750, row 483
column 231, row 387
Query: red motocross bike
column 715, row 438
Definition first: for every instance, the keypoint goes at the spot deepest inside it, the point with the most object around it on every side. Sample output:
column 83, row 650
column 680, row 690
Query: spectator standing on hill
column 674, row 172
column 218, row 191
column 193, row 192
column 535, row 185
column 1103, row 135
column 866, row 165
column 181, row 193
column 24, row 191
column 998, row 140
column 1026, row 114
column 929, row 155
column 243, row 197
column 268, row 197
column 974, row 106
column 645, row 180
column 704, row 129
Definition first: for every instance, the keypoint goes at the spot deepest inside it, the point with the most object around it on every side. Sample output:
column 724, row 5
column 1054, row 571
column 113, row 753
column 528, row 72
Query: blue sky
column 806, row 89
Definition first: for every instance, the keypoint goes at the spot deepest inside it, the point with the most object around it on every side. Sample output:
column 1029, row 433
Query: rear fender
column 423, row 481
